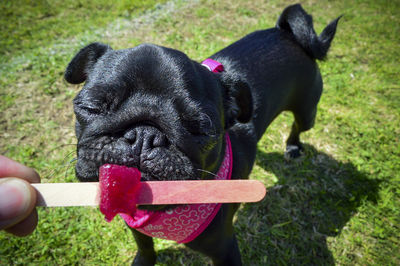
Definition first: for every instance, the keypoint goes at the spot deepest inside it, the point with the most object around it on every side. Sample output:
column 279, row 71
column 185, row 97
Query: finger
column 10, row 168
column 18, row 199
column 26, row 226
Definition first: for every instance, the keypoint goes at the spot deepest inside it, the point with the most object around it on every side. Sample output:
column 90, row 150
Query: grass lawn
column 339, row 204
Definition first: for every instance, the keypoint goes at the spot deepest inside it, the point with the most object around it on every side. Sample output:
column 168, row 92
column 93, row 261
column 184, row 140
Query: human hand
column 18, row 214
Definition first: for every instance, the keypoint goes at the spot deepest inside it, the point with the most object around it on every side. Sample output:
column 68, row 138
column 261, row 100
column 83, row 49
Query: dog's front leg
column 146, row 254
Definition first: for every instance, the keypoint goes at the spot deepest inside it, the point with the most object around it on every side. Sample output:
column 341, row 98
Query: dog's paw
column 293, row 152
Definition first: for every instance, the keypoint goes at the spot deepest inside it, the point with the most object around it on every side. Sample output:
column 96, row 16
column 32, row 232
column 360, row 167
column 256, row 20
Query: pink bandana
column 185, row 222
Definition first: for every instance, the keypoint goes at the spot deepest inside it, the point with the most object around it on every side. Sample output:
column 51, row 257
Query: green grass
column 339, row 204
column 33, row 24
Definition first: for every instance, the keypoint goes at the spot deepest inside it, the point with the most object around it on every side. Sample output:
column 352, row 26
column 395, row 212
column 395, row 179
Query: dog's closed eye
column 85, row 112
column 91, row 109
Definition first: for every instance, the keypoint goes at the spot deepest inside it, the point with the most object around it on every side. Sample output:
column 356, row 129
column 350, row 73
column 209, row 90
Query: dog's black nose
column 144, row 139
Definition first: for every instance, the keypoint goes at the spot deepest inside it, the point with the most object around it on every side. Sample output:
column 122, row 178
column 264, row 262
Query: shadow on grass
column 313, row 199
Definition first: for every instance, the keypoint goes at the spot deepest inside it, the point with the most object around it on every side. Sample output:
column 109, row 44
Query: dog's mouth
column 158, row 166
column 88, row 171
column 159, row 163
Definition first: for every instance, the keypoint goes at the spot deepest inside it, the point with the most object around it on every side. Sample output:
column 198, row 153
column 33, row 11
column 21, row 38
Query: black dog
column 153, row 108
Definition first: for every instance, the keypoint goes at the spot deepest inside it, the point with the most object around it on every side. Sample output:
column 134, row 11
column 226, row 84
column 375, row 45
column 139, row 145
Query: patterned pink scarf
column 185, row 222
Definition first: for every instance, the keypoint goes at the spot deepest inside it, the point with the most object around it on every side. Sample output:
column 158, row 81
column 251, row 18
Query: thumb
column 17, row 200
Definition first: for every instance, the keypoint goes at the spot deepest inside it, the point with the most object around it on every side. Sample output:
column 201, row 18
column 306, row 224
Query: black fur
column 296, row 21
column 153, row 108
column 83, row 62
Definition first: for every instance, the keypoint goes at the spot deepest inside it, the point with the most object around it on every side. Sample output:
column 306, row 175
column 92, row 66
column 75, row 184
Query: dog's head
column 152, row 108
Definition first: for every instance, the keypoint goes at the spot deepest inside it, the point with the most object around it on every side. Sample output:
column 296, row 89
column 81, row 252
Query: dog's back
column 279, row 66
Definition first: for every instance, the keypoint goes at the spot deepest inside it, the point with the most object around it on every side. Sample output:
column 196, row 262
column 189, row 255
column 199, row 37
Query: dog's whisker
column 61, row 146
column 69, row 166
column 212, row 125
column 208, row 172
column 53, row 172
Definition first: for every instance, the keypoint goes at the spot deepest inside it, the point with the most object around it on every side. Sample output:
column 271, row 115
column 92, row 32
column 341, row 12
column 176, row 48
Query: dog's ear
column 83, row 62
column 238, row 100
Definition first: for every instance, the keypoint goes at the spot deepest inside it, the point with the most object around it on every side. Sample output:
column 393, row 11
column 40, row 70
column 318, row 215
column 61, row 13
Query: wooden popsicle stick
column 67, row 194
column 204, row 191
column 155, row 192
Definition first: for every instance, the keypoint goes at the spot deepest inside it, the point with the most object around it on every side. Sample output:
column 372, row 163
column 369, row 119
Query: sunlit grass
column 339, row 204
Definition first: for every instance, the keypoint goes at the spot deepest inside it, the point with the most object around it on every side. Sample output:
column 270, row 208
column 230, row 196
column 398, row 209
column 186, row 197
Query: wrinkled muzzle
column 144, row 147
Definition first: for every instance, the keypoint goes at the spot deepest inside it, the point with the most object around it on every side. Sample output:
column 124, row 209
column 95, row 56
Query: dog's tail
column 296, row 21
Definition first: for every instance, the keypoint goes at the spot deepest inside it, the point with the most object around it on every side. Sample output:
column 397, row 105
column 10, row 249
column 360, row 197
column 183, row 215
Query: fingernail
column 14, row 199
